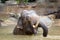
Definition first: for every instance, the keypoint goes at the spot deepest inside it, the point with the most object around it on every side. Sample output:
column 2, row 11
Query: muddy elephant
column 26, row 22
column 24, row 27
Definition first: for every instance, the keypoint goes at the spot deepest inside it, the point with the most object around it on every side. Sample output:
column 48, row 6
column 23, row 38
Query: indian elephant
column 27, row 20
column 23, row 27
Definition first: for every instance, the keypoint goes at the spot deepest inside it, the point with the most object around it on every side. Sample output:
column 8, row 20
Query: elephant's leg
column 45, row 30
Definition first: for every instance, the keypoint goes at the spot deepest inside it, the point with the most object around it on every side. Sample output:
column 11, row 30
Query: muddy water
column 6, row 34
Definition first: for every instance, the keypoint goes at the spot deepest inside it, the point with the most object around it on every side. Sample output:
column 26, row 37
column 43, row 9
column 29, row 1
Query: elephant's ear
column 19, row 23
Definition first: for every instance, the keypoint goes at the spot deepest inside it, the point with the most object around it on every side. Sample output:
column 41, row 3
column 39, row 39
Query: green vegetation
column 3, row 1
column 22, row 1
column 18, row 1
column 26, row 1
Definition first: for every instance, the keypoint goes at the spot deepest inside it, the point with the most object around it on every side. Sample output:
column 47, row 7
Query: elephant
column 26, row 22
column 23, row 27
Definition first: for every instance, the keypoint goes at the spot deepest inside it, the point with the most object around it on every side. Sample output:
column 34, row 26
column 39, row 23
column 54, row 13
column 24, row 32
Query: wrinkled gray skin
column 25, row 24
column 25, row 27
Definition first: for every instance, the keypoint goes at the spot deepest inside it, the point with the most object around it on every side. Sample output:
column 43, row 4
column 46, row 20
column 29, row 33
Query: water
column 6, row 33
